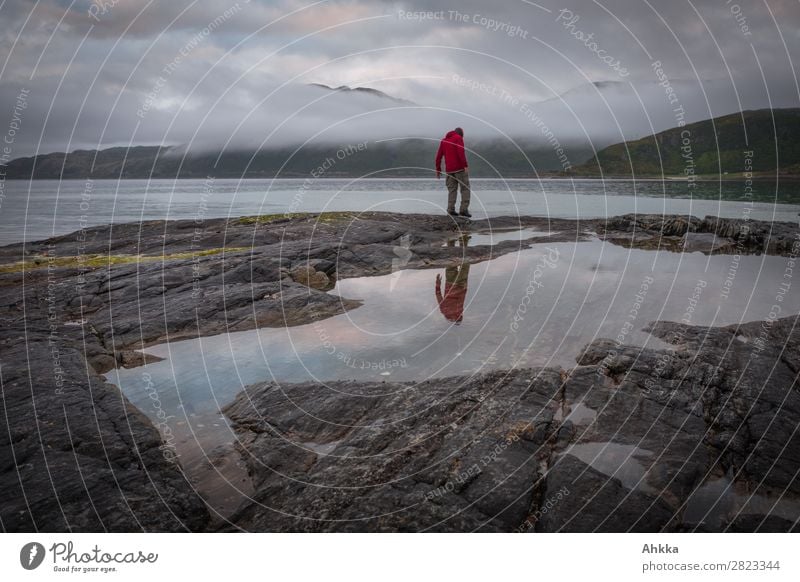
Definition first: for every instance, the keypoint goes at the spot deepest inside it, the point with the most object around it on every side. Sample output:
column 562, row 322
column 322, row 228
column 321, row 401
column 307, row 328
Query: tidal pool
column 536, row 307
column 720, row 499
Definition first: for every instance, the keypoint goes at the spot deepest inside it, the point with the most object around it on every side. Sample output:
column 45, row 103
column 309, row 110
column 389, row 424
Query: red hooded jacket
column 452, row 149
column 452, row 303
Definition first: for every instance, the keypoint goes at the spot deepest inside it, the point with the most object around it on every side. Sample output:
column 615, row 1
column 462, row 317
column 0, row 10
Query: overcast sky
column 220, row 73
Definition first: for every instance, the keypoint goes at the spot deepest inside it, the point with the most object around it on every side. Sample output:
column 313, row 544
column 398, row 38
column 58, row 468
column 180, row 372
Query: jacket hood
column 450, row 134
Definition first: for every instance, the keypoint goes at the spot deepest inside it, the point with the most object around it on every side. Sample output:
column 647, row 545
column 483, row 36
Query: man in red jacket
column 456, row 168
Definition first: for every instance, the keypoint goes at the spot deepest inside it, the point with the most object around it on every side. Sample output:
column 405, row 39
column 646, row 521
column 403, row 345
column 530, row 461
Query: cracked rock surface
column 631, row 439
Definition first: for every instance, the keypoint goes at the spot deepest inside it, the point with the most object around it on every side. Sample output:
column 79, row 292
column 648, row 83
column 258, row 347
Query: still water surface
column 536, row 307
column 43, row 208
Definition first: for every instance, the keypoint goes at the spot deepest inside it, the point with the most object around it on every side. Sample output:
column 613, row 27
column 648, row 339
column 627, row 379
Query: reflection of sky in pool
column 498, row 236
column 592, row 290
column 624, row 462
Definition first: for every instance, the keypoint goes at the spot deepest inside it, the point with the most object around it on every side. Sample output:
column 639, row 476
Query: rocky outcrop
column 75, row 455
column 709, row 235
column 389, row 457
column 308, row 276
column 701, row 437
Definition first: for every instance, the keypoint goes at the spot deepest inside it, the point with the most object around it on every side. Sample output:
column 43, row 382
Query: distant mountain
column 408, row 157
column 363, row 91
column 711, row 147
column 595, row 89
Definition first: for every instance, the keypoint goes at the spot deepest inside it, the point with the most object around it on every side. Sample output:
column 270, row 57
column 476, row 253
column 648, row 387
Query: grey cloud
column 201, row 83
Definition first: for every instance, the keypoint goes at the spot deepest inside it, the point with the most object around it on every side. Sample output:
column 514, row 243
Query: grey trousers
column 454, row 180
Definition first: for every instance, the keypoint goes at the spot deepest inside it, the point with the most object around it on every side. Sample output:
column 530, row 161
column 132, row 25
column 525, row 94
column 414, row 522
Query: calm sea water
column 40, row 209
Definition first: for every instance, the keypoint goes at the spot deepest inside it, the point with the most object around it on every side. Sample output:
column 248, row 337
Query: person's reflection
column 451, row 302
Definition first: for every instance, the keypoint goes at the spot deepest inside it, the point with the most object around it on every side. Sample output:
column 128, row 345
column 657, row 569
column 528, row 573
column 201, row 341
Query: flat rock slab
column 630, row 440
column 76, row 456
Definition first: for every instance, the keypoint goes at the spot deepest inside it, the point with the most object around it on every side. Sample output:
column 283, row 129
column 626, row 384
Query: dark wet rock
column 133, row 359
column 595, row 501
column 501, row 451
column 706, row 242
column 327, row 267
column 306, row 275
column 437, row 455
column 663, row 224
column 75, row 455
column 709, row 235
column 102, row 363
column 763, row 524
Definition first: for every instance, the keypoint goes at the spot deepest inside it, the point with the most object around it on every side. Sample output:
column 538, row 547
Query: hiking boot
column 465, row 214
column 452, row 213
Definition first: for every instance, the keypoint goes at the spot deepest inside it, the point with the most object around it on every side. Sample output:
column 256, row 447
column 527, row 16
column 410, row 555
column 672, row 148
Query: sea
column 36, row 210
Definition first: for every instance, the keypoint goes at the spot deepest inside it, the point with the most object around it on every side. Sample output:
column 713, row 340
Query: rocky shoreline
column 75, row 455
column 622, row 442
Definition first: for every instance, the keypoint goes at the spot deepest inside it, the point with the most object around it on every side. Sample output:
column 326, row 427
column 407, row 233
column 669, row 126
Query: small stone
column 307, row 276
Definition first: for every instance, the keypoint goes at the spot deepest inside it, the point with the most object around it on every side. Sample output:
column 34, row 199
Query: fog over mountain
column 219, row 75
